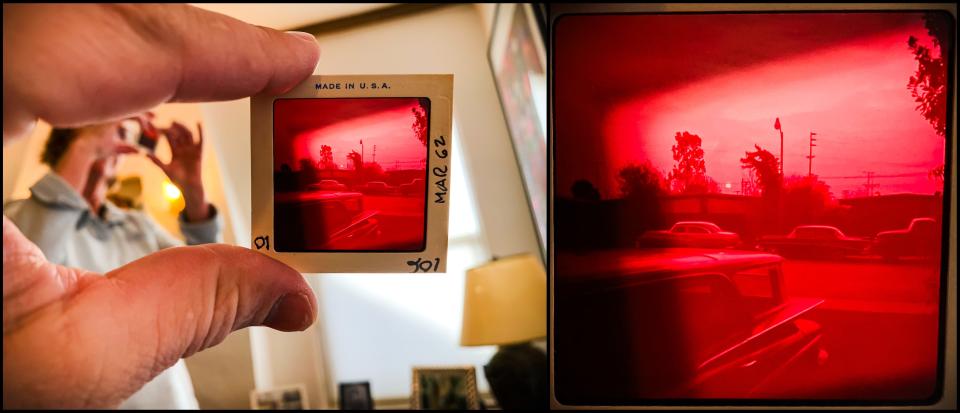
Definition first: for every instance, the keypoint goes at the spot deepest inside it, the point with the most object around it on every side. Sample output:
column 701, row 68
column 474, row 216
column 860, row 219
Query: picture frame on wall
column 280, row 398
column 355, row 396
column 518, row 62
column 445, row 388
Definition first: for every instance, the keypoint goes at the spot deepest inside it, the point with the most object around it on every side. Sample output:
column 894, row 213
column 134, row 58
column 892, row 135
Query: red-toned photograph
column 749, row 206
column 350, row 174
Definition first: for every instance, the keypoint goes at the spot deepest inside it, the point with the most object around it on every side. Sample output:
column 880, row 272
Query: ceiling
column 289, row 16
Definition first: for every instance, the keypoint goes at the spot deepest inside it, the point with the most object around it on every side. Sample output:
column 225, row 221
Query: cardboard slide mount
column 438, row 89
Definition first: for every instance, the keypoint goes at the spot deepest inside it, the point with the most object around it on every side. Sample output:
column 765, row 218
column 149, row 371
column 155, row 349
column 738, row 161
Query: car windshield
column 816, row 233
column 696, row 227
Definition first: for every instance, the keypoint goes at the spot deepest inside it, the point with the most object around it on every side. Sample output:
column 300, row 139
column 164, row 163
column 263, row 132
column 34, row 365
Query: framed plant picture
column 445, row 388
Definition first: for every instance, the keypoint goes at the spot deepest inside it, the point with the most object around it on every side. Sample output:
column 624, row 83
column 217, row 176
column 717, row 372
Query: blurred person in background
column 70, row 219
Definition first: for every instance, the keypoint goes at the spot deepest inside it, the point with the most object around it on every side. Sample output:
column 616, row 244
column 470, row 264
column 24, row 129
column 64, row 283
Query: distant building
column 872, row 214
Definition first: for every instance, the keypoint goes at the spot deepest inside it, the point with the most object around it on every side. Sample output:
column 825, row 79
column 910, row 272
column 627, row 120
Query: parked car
column 920, row 239
column 377, row 188
column 327, row 185
column 677, row 323
column 323, row 221
column 690, row 234
column 414, row 187
column 815, row 241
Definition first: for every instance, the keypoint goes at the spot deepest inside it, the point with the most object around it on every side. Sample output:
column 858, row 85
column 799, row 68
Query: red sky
column 304, row 125
column 626, row 84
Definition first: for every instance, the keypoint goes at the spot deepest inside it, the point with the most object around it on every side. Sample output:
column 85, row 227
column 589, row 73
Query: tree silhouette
column 766, row 170
column 640, row 181
column 585, row 191
column 928, row 85
column 354, row 158
column 373, row 171
column 419, row 123
column 640, row 209
column 307, row 165
column 806, row 200
column 689, row 174
column 326, row 157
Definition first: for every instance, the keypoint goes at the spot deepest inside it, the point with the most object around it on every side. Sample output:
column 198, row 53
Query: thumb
column 104, row 338
column 192, row 297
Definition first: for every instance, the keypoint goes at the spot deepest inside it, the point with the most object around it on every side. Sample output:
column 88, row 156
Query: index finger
column 111, row 61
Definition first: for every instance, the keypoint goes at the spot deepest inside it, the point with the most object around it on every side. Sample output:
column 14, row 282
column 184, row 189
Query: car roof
column 295, row 197
column 649, row 264
column 696, row 223
column 816, row 227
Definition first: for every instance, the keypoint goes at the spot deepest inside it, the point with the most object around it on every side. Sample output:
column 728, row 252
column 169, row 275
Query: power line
column 874, row 176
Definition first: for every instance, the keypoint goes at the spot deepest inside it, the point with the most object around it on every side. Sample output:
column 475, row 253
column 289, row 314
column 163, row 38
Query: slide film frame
column 945, row 397
column 438, row 90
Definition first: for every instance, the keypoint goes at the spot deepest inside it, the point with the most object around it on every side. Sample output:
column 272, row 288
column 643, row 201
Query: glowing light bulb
column 170, row 191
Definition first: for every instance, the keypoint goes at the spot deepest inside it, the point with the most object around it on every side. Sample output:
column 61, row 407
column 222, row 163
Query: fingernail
column 303, row 35
column 291, row 312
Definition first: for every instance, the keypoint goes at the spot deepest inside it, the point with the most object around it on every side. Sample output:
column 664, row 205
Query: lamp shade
column 505, row 302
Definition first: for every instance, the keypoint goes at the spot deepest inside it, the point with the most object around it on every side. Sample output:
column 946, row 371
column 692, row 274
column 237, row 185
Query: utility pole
column 776, row 126
column 780, row 217
column 810, row 157
column 870, row 185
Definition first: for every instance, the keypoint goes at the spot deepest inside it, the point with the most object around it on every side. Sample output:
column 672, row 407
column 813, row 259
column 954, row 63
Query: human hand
column 76, row 339
column 73, row 338
column 184, row 168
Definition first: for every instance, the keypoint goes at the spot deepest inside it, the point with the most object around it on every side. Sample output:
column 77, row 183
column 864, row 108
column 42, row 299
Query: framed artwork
column 445, row 388
column 280, row 398
column 518, row 61
column 355, row 396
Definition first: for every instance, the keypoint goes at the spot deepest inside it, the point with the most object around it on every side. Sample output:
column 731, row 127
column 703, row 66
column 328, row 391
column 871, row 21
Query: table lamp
column 505, row 304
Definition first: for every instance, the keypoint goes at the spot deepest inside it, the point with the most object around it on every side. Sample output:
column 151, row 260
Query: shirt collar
column 112, row 213
column 54, row 190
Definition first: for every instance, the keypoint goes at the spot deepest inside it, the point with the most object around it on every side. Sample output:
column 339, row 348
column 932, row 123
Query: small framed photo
column 445, row 388
column 356, row 396
column 280, row 398
column 351, row 173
